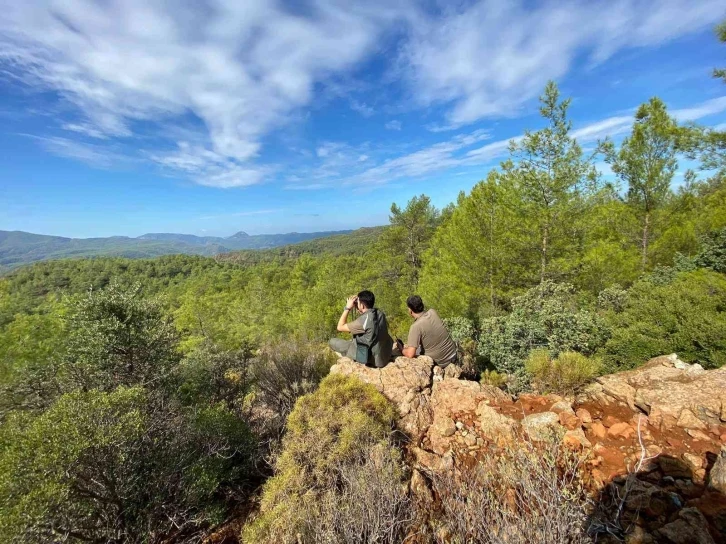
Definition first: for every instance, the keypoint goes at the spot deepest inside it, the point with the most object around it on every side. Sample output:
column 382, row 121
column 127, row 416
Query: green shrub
column 686, row 315
column 116, row 467
column 493, row 378
column 545, row 317
column 713, row 251
column 342, row 429
column 564, row 374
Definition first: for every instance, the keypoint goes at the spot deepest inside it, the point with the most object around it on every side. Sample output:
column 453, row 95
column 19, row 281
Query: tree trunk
column 644, row 242
column 545, row 241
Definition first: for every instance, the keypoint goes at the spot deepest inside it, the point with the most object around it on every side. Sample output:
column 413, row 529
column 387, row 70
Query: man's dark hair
column 367, row 298
column 415, row 303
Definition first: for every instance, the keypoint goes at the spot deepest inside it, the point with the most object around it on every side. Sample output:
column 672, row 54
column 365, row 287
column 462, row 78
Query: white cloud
column 611, row 126
column 241, row 68
column 361, row 107
column 710, row 107
column 487, row 58
column 393, row 125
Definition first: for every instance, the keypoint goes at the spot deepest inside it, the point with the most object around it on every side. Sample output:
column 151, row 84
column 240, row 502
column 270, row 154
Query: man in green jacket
column 371, row 343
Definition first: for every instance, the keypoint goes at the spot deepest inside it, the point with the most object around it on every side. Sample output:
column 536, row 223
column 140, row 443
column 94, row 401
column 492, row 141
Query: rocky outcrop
column 667, row 419
column 671, row 392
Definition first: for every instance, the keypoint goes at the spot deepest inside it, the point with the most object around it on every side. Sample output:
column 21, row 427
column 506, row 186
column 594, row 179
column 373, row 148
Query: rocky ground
column 654, row 438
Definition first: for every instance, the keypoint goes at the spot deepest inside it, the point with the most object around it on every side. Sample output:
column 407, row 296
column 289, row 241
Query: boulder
column 494, row 425
column 717, row 477
column 542, row 426
column 691, row 527
column 665, row 387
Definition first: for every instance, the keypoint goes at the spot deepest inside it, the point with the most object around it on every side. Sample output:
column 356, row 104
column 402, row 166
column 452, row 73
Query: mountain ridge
column 18, row 247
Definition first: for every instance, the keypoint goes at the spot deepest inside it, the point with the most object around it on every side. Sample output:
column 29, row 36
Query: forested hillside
column 141, row 399
column 18, row 248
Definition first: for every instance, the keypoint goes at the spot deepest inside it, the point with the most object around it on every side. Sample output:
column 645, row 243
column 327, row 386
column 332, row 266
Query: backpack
column 365, row 342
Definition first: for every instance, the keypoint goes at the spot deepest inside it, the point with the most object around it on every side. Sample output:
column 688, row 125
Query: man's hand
column 350, row 302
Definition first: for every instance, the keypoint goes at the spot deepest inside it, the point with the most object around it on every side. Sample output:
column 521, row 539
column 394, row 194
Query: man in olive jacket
column 371, row 343
column 428, row 335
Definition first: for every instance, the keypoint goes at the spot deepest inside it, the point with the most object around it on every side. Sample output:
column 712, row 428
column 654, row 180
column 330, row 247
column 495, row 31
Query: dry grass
column 525, row 492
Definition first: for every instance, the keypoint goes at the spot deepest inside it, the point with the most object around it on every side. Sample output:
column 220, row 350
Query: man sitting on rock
column 428, row 335
column 371, row 343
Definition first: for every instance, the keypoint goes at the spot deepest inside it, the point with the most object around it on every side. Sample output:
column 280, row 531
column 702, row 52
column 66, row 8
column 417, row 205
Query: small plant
column 493, row 378
column 564, row 374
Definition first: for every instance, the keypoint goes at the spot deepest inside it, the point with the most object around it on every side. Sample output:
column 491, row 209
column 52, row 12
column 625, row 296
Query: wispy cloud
column 393, row 125
column 241, row 68
column 361, row 107
column 239, row 71
column 488, row 58
column 461, row 151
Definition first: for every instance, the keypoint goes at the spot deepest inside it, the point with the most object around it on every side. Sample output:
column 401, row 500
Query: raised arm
column 343, row 321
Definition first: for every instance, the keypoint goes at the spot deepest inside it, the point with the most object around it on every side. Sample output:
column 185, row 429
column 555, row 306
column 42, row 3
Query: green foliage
column 721, row 34
column 565, row 374
column 546, row 317
column 117, row 337
column 686, row 315
column 493, row 378
column 646, row 162
column 340, row 425
column 713, row 252
column 409, row 235
column 552, row 177
column 115, row 467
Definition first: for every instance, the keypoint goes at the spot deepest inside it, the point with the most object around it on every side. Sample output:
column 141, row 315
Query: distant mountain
column 18, row 248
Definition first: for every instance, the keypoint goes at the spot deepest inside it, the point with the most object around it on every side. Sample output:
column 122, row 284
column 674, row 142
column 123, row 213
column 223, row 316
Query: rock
column 663, row 391
column 621, row 430
column 698, row 435
column 420, row 487
column 639, row 536
column 717, row 477
column 618, row 389
column 495, row 426
column 576, row 439
column 610, row 420
column 691, row 527
column 459, row 425
column 584, row 415
column 692, row 460
column 542, row 426
column 674, row 467
column 687, row 420
column 569, row 420
column 599, row 430
column 446, row 426
column 470, row 439
column 562, row 406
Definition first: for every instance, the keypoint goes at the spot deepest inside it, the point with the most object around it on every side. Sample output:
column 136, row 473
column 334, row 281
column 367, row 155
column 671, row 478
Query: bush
column 526, row 493
column 116, row 467
column 545, row 317
column 493, row 378
column 686, row 315
column 463, row 333
column 284, row 373
column 563, row 375
column 210, row 375
column 117, row 337
column 338, row 478
column 713, row 251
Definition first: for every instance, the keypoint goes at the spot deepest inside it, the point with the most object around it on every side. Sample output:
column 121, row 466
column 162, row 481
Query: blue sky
column 209, row 117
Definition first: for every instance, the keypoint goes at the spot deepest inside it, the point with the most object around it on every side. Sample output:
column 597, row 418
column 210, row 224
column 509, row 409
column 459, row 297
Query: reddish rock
column 610, row 420
column 621, row 430
column 584, row 415
column 569, row 420
column 599, row 430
